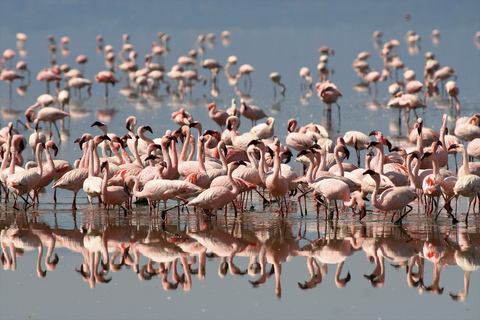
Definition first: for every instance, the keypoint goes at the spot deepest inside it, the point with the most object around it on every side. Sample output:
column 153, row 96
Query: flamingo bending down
column 46, row 114
column 392, row 199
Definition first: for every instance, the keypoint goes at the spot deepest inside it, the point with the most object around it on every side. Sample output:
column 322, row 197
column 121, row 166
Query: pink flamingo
column 306, row 79
column 296, row 140
column 372, row 77
column 467, row 185
column 216, row 197
column 357, row 140
column 73, row 179
column 182, row 117
column 9, row 76
column 106, row 77
column 113, row 195
column 392, row 199
column 46, row 114
column 253, row 113
column 50, row 74
column 48, row 172
column 23, row 182
column 328, row 93
column 217, row 115
column 245, row 70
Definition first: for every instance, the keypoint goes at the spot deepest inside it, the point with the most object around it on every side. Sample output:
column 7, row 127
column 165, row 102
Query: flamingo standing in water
column 392, row 199
column 46, row 114
column 113, row 195
column 328, row 93
column 219, row 116
column 215, row 197
column 106, row 77
column 467, row 185
column 253, row 113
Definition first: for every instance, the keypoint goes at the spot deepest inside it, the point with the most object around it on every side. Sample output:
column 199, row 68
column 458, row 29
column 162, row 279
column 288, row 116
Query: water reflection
column 181, row 249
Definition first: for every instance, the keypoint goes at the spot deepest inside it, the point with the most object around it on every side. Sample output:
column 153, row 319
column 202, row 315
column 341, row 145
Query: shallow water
column 272, row 37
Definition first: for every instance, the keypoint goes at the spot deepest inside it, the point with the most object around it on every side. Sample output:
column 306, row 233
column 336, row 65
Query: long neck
column 222, row 158
column 183, row 154
column 173, row 150
column 376, row 178
column 310, row 169
column 466, row 169
column 201, row 156
column 381, row 160
column 251, row 158
column 276, row 164
column 91, row 169
column 167, row 159
column 420, row 142
column 235, row 187
column 411, row 175
column 39, row 159
column 85, row 158
column 50, row 159
column 336, row 154
column 138, row 161
column 96, row 159
column 105, row 180
column 116, row 153
column 261, row 168
column 143, row 137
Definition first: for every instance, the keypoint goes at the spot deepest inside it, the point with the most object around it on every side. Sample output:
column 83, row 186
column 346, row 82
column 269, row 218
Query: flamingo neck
column 183, row 154
column 338, row 160
column 466, row 168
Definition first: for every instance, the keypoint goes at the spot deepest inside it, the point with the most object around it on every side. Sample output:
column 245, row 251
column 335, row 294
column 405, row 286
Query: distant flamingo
column 106, row 77
column 305, row 75
column 276, row 77
column 245, row 70
column 328, row 93
column 264, row 130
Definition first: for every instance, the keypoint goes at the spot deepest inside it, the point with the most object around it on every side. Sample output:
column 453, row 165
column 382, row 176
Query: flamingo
column 245, row 70
column 113, row 195
column 253, row 113
column 276, row 77
column 357, row 140
column 264, row 130
column 73, row 179
column 216, row 197
column 48, row 172
column 328, row 93
column 106, row 77
column 92, row 185
column 217, row 115
column 296, row 140
column 46, row 114
column 392, row 199
column 306, row 79
column 36, row 137
column 24, row 181
column 467, row 185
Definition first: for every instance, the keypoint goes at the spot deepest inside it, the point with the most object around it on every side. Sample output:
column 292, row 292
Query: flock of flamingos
column 215, row 167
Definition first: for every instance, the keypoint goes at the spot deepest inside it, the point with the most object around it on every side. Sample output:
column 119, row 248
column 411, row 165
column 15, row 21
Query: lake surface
column 257, row 265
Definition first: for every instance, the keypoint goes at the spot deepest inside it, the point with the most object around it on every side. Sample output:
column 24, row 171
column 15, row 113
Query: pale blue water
column 280, row 36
